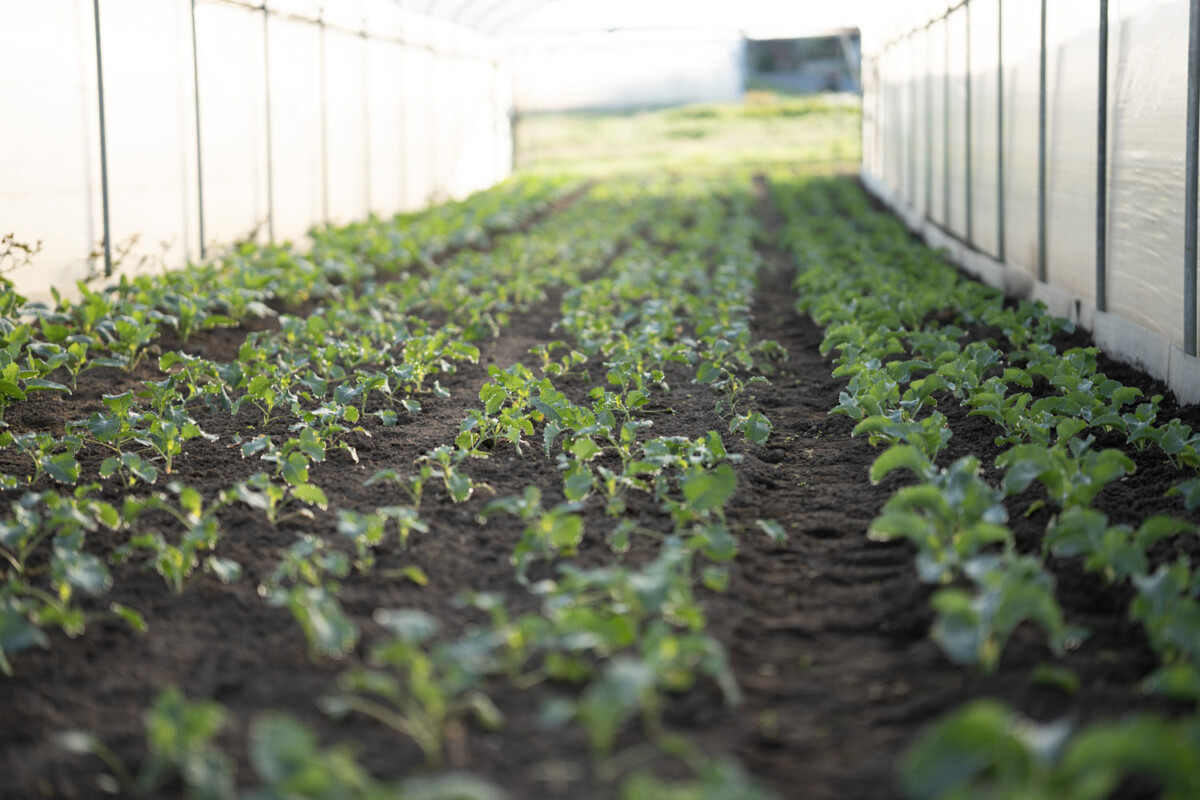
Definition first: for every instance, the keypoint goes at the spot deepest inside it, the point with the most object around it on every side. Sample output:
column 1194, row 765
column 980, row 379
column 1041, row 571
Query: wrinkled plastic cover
column 919, row 83
column 1072, row 81
column 956, row 56
column 1021, row 21
column 937, row 115
column 1148, row 44
column 233, row 124
column 346, row 85
column 870, row 130
column 51, row 181
column 897, row 135
column 385, row 96
column 295, row 126
column 985, row 120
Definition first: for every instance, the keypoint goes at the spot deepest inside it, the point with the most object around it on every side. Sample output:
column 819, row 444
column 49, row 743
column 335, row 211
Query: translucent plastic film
column 233, row 129
column 895, row 132
column 1148, row 44
column 50, row 189
column 297, row 146
column 957, row 102
column 1072, row 103
column 1020, row 23
column 385, row 117
column 919, row 91
column 346, row 125
column 904, row 107
column 419, row 136
column 985, row 120
column 939, row 196
column 870, row 127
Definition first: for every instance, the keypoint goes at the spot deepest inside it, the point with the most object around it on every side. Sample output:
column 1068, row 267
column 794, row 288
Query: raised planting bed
column 637, row 488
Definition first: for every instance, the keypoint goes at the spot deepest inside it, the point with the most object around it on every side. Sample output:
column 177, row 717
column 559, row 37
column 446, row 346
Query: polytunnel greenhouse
column 480, row 399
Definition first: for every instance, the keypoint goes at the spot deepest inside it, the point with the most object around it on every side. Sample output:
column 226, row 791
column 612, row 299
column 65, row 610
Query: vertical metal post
column 108, row 262
column 1193, row 163
column 1041, row 190
column 946, row 123
column 366, row 117
column 405, row 119
column 929, row 122
column 199, row 148
column 966, row 9
column 324, row 119
column 912, row 114
column 1102, row 166
column 431, row 109
column 270, row 140
column 1000, row 130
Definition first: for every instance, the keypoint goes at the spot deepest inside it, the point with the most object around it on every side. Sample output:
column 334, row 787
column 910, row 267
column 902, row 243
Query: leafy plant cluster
column 629, row 637
column 895, row 316
column 620, row 640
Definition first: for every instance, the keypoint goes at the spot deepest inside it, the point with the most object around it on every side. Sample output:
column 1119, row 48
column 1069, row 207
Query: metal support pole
column 1193, row 162
column 270, row 140
column 1041, row 265
column 434, row 139
column 912, row 114
column 966, row 9
column 1000, row 130
column 108, row 262
column 402, row 134
column 199, row 148
column 1102, row 166
column 324, row 120
column 366, row 120
column 929, row 123
column 946, row 125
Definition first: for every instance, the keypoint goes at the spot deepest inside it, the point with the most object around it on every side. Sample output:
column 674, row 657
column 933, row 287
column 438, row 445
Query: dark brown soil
column 828, row 633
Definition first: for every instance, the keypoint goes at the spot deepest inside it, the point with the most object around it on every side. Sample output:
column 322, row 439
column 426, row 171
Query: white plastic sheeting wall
column 955, row 98
column 1147, row 122
column 308, row 112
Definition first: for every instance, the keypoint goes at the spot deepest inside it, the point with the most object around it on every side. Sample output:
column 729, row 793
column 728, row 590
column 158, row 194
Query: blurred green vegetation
column 768, row 130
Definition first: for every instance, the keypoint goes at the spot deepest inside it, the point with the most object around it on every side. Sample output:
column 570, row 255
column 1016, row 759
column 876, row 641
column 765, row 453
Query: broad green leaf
column 755, row 427
column 900, row 456
column 17, row 633
column 227, row 570
column 63, row 468
column 709, row 490
column 460, row 486
column 410, row 625
column 330, row 632
column 577, row 482
column 295, row 469
column 311, row 494
column 139, row 468
column 567, row 531
column 105, row 429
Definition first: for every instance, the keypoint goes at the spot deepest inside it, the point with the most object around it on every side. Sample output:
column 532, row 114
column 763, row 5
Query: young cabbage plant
column 972, row 627
column 273, row 499
column 306, row 583
column 419, row 691
column 952, row 516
